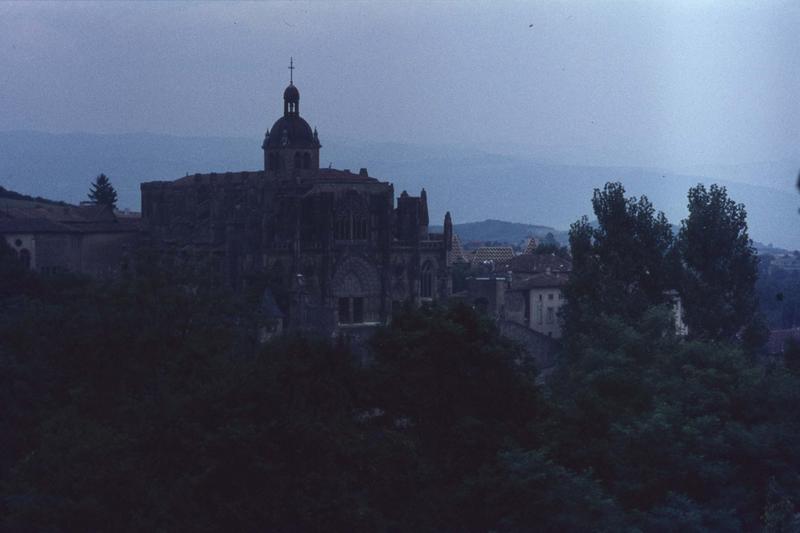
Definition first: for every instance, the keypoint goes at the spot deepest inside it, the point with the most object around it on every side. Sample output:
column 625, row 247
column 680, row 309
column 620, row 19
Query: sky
column 669, row 84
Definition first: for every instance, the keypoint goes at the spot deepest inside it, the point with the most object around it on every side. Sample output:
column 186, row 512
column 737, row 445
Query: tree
column 549, row 245
column 720, row 265
column 622, row 266
column 102, row 192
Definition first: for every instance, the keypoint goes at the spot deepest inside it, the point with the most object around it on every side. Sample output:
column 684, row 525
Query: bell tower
column 291, row 148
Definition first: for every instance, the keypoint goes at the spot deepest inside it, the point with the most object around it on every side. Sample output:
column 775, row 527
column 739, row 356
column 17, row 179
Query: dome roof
column 291, row 94
column 298, row 133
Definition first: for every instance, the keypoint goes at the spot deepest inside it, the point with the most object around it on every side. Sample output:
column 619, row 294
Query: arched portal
column 357, row 290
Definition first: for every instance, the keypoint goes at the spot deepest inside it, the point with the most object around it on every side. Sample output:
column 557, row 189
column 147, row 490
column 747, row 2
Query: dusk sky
column 672, row 84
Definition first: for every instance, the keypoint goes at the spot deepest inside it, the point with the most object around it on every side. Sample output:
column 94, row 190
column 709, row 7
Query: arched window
column 297, row 160
column 306, row 160
column 352, row 218
column 426, row 281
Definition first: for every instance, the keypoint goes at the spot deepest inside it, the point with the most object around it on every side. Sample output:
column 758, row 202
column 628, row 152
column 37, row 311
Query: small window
column 344, row 311
column 539, row 313
column 551, row 315
column 550, row 296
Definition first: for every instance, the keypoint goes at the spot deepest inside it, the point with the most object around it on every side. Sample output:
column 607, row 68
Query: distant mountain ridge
column 502, row 231
column 514, row 233
column 470, row 183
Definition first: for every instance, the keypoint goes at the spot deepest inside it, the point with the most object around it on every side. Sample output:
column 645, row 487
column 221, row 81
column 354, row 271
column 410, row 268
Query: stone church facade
column 338, row 246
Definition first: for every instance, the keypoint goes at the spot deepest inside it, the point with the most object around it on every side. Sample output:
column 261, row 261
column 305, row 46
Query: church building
column 335, row 247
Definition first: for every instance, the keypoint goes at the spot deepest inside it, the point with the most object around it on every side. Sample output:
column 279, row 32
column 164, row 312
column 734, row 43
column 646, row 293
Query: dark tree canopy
column 623, row 265
column 149, row 405
column 102, row 192
column 720, row 265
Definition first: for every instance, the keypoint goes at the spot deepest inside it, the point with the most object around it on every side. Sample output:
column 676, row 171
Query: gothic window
column 306, row 160
column 426, row 281
column 344, row 310
column 358, row 310
column 359, row 227
column 352, row 218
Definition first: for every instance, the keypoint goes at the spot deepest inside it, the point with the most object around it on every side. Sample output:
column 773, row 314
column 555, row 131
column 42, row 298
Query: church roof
column 234, row 177
column 295, row 130
column 36, row 217
column 335, row 173
column 33, row 225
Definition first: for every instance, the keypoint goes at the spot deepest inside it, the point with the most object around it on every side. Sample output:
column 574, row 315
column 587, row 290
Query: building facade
column 338, row 251
column 52, row 237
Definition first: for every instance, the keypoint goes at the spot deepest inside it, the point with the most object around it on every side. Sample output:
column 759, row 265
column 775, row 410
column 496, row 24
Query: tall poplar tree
column 623, row 265
column 720, row 265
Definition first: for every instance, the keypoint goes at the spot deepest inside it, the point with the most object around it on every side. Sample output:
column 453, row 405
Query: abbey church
column 338, row 245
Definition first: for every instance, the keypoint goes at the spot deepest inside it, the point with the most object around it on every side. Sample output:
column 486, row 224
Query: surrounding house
column 525, row 289
column 541, row 302
column 52, row 237
column 499, row 255
column 337, row 251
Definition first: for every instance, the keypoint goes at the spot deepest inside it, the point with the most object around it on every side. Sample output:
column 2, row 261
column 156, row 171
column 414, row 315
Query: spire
column 423, row 206
column 291, row 71
column 448, row 231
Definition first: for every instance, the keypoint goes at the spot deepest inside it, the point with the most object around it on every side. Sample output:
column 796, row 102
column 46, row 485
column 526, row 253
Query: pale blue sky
column 660, row 84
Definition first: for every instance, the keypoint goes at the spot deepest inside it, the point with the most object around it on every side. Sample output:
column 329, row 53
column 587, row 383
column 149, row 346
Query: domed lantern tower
column 291, row 148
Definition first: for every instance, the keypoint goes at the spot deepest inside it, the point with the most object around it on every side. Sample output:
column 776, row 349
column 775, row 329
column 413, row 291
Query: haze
column 616, row 83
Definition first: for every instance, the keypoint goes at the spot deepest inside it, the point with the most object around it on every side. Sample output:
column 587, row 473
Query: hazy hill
column 472, row 184
column 502, row 231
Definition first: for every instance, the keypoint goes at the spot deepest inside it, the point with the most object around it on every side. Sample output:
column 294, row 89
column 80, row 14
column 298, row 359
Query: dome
column 291, row 94
column 298, row 133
